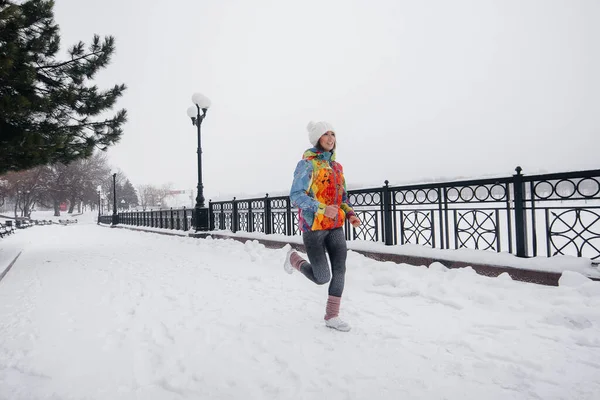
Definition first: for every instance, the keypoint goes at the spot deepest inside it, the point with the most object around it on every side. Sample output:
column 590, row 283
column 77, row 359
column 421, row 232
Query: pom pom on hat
column 316, row 130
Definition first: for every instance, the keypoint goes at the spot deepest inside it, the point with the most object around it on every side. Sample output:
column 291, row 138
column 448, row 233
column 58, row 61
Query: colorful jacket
column 319, row 182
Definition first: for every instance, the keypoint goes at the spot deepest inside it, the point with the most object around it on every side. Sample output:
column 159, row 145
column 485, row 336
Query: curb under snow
column 539, row 270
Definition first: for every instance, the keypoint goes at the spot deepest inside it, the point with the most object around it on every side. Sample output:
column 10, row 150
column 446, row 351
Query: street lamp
column 26, row 210
column 99, row 190
column 202, row 103
column 115, row 217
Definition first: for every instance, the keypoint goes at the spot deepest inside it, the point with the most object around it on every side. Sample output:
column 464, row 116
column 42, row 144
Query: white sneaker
column 337, row 323
column 287, row 265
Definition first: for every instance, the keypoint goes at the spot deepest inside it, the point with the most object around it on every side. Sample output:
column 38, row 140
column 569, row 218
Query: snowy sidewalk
column 96, row 313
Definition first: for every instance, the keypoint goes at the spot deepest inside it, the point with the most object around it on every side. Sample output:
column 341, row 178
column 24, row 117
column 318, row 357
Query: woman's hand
column 354, row 221
column 331, row 211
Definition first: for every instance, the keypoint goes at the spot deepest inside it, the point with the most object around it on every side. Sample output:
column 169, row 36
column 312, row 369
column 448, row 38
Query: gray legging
column 317, row 243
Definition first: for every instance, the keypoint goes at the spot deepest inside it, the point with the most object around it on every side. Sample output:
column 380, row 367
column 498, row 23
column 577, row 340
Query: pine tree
column 129, row 195
column 49, row 109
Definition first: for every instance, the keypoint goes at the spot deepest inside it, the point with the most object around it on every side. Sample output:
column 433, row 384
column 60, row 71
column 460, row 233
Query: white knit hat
column 316, row 130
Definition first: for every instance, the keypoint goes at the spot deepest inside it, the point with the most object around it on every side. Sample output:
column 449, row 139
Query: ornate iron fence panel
column 295, row 222
column 216, row 211
column 164, row 219
column 563, row 214
column 465, row 214
column 477, row 229
column 414, row 216
column 368, row 207
column 481, row 217
column 415, row 227
column 227, row 214
column 280, row 216
column 244, row 215
column 257, row 214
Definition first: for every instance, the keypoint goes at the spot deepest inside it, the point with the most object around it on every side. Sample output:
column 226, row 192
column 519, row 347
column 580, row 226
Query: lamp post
column 18, row 202
column 99, row 190
column 115, row 217
column 202, row 103
column 26, row 210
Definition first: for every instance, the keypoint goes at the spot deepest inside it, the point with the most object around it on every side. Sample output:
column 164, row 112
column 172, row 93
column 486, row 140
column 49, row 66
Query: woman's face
column 327, row 141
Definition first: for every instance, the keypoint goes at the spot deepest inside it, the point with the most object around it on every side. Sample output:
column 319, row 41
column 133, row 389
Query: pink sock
column 333, row 307
column 296, row 260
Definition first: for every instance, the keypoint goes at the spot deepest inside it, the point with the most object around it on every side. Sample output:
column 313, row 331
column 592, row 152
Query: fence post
column 387, row 215
column 288, row 214
column 172, row 221
column 267, row 215
column 211, row 216
column 185, row 225
column 221, row 216
column 520, row 216
column 234, row 216
column 250, row 217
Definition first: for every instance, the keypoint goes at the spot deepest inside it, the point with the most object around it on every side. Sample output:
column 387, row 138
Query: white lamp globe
column 201, row 100
column 191, row 112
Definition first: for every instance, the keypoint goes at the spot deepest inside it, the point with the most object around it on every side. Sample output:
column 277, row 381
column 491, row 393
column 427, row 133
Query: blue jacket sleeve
column 300, row 186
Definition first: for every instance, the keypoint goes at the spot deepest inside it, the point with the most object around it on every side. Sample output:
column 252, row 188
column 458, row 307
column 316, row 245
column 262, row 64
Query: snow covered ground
column 89, row 312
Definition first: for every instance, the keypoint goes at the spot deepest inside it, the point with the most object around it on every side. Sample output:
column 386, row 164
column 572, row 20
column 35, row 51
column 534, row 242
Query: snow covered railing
column 174, row 219
column 528, row 216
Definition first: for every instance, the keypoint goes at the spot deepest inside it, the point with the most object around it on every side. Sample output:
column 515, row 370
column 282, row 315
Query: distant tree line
column 76, row 184
column 152, row 196
column 49, row 186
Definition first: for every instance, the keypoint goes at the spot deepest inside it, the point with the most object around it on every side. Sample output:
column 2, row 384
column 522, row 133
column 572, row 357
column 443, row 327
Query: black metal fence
column 179, row 219
column 547, row 215
column 105, row 219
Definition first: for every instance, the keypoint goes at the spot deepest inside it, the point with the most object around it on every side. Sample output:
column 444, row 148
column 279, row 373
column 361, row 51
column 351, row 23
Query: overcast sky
column 417, row 90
